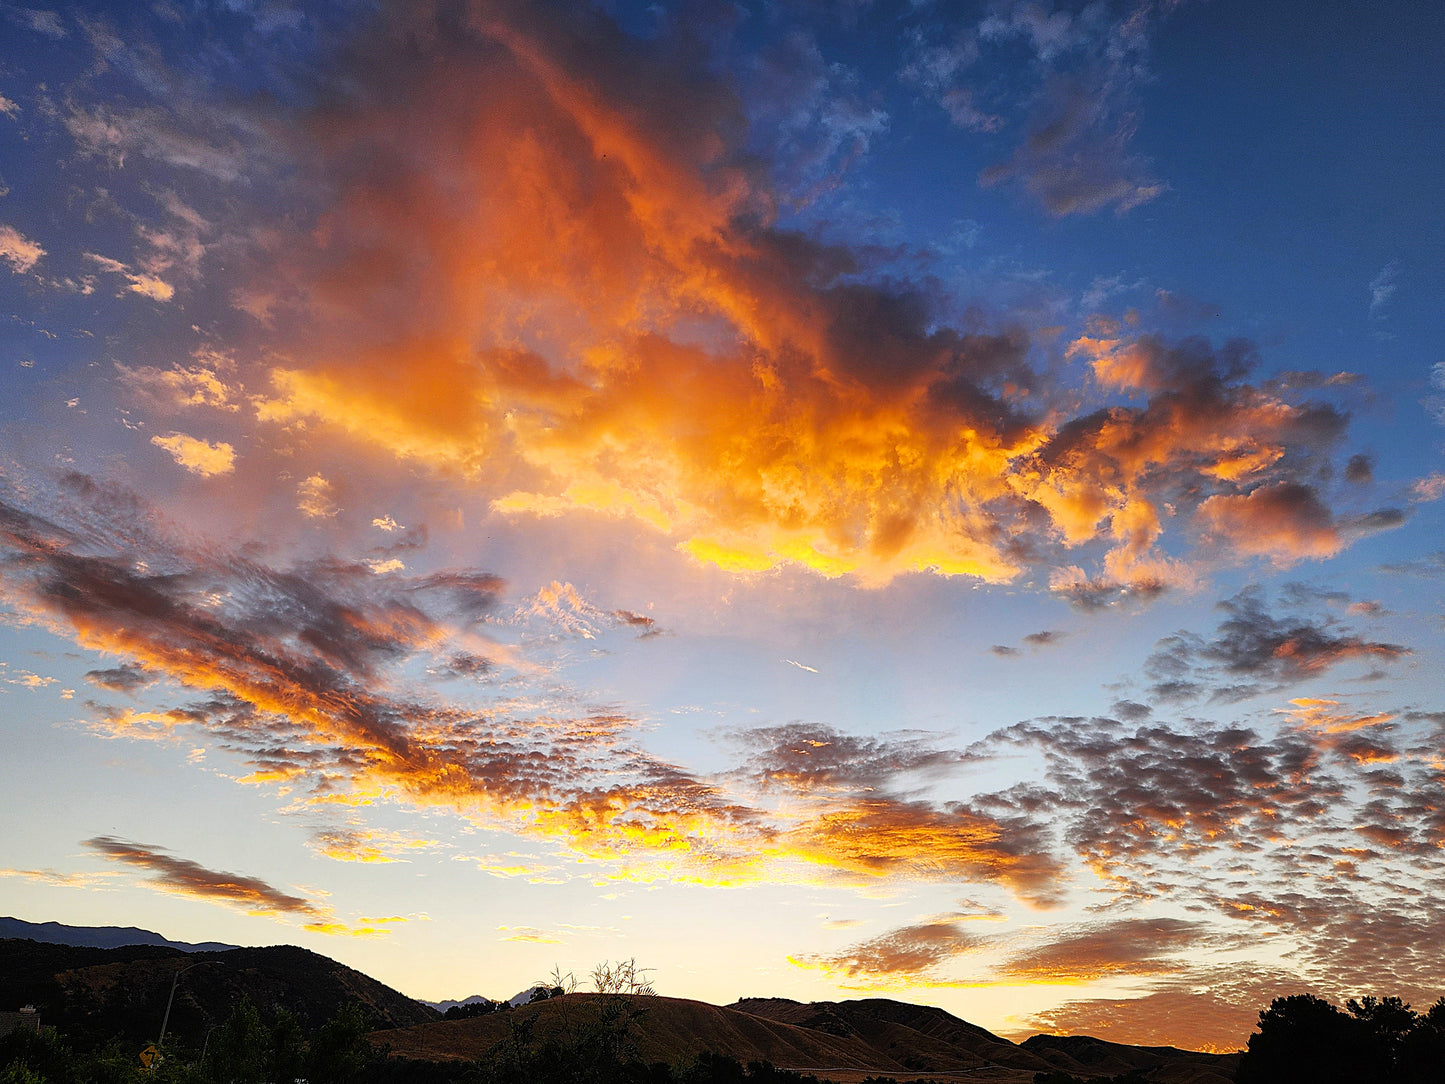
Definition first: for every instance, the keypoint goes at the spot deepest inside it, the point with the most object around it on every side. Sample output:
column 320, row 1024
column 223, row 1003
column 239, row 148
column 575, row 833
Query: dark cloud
column 1046, row 638
column 1360, row 469
column 1292, row 835
column 188, row 878
column 645, row 626
column 1432, row 564
column 120, row 679
column 804, row 758
column 1131, row 711
column 1254, row 650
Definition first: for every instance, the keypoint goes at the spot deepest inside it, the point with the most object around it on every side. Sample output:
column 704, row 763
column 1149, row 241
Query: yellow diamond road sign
column 149, row 1056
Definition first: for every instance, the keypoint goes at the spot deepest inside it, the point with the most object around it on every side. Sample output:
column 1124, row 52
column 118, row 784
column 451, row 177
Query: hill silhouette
column 93, row 994
column 841, row 1041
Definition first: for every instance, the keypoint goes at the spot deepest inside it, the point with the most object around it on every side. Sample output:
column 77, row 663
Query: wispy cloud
column 187, row 878
column 18, row 251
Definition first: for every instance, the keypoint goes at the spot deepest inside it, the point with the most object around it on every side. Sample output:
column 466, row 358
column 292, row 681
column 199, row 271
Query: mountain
column 98, row 936
column 921, row 1038
column 93, row 994
column 1083, row 1055
column 669, row 1030
column 839, row 1041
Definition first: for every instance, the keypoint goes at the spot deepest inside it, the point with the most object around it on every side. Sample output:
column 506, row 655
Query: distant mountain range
column 99, row 936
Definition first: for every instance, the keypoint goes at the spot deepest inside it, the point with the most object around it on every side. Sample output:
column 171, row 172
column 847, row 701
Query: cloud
column 18, row 251
column 298, row 674
column 1285, row 522
column 1213, row 1012
column 909, row 953
column 804, row 758
column 1045, row 638
column 120, row 679
column 757, row 395
column 1383, row 287
column 187, row 878
column 1360, row 469
column 202, row 384
column 1435, row 404
column 199, row 139
column 365, row 844
column 1254, row 650
column 1429, row 488
column 57, row 879
column 1075, row 96
column 1135, row 946
column 141, row 282
column 316, row 498
column 38, row 20
column 202, row 457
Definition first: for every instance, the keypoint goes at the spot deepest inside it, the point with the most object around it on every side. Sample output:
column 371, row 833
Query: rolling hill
column 841, row 1041
column 93, row 994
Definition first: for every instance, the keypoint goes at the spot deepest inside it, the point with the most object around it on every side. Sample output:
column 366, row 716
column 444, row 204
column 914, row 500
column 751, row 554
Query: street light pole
column 165, row 1021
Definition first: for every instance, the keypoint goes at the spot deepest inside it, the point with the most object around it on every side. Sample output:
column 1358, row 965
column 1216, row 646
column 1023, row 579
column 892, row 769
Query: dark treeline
column 1306, row 1039
column 248, row 1048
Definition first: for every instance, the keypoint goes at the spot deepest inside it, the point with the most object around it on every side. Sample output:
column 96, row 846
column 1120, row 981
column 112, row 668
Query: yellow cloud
column 201, row 457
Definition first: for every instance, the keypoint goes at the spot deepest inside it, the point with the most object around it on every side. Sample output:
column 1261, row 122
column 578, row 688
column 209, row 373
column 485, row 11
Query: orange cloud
column 18, row 251
column 1285, row 521
column 564, row 282
column 187, row 878
column 1136, row 946
column 908, row 953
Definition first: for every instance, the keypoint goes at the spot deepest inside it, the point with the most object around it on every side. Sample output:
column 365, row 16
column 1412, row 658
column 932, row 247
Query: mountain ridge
column 57, row 933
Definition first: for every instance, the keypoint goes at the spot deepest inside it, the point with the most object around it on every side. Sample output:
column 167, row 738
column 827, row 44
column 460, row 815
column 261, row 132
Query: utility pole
column 165, row 1021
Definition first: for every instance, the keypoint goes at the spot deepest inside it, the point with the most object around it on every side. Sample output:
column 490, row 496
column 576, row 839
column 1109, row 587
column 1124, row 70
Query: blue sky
column 935, row 500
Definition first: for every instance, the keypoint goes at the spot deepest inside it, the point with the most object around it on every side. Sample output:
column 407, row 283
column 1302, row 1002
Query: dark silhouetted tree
column 1304, row 1039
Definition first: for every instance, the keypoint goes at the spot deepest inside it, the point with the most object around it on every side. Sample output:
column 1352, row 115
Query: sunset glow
column 824, row 500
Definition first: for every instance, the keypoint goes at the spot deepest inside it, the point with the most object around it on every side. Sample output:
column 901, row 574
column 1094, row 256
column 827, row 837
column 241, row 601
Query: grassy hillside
column 93, row 994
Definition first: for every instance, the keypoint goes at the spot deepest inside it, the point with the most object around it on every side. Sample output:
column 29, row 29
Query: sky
column 868, row 498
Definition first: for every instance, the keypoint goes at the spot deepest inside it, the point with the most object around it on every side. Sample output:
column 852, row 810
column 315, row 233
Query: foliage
column 476, row 1008
column 1303, row 1038
column 245, row 1049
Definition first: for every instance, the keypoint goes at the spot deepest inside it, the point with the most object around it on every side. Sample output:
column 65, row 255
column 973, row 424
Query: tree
column 240, row 1049
column 1383, row 1027
column 339, row 1048
column 1422, row 1053
column 1303, row 1038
